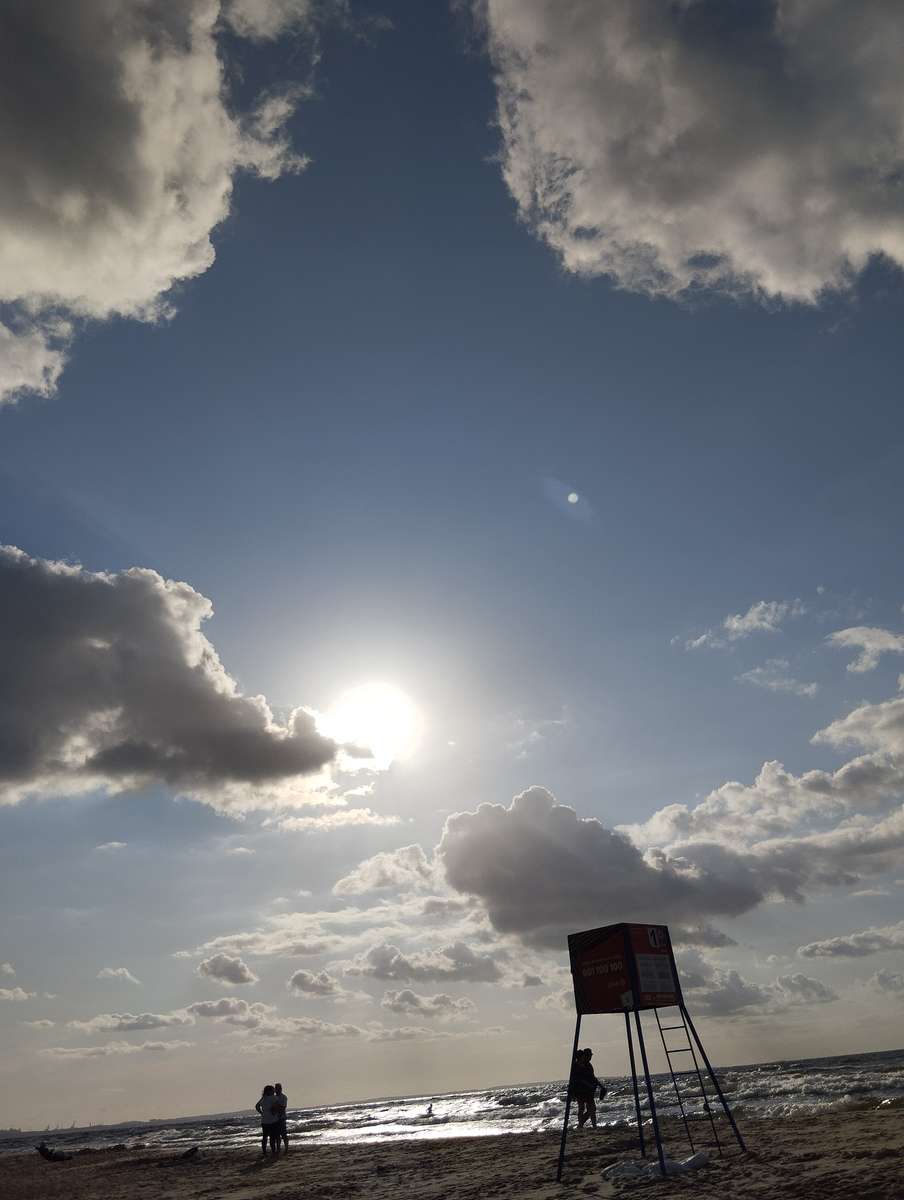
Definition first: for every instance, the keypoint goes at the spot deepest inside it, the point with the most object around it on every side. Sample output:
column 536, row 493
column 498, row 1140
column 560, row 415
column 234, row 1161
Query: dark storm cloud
column 108, row 681
column 542, row 872
column 701, row 935
column 754, row 146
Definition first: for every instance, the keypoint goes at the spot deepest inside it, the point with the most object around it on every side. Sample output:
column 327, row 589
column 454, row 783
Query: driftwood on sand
column 63, row 1156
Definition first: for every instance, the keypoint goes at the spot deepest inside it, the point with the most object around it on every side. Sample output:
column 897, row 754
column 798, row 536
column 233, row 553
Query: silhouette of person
column 269, row 1112
column 282, row 1101
column 582, row 1085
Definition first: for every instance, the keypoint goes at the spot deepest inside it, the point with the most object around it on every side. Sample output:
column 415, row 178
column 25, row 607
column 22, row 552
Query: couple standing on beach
column 582, row 1085
column 272, row 1108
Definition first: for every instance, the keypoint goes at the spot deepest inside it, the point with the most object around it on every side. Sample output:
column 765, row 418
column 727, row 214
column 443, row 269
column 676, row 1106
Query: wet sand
column 839, row 1156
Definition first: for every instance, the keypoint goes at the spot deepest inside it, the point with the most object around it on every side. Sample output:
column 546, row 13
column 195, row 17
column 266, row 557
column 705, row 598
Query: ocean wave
column 774, row 1090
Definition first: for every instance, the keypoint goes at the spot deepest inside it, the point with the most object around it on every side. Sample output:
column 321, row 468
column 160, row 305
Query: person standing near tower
column 282, row 1103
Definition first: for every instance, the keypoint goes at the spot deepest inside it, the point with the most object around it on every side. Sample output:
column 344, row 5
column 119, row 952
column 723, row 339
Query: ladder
column 690, row 1071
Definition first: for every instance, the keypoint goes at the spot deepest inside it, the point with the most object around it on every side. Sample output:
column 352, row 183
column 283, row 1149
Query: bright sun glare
column 377, row 717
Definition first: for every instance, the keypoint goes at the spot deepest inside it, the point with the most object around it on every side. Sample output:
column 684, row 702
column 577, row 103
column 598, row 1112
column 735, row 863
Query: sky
column 450, row 482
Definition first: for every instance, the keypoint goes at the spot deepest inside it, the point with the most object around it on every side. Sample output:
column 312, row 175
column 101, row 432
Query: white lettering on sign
column 654, row 972
column 610, row 966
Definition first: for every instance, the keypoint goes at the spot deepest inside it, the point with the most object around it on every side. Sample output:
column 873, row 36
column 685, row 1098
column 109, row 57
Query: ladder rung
column 665, row 1027
column 681, row 1050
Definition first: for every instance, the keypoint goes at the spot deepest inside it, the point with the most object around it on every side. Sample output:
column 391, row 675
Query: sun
column 374, row 717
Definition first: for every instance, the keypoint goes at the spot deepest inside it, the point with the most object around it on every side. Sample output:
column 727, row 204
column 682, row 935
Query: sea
column 773, row 1090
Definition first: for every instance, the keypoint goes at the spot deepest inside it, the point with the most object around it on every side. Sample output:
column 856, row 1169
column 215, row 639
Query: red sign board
column 623, row 967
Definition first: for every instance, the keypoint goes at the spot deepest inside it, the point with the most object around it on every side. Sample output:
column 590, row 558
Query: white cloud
column 310, row 983
column 726, row 992
column 129, row 1022
column 240, row 851
column 262, row 20
column 77, row 1052
column 226, row 969
column 777, row 802
column 531, row 735
column 31, row 361
column 111, row 846
column 456, row 962
column 117, row 179
column 118, row 973
column 7, row 968
column 775, row 676
column 43, row 1023
column 408, row 867
column 872, row 644
column 558, row 1001
column 299, row 934
column 123, row 689
column 765, row 616
column 262, row 1029
column 307, row 1028
column 801, row 989
column 887, row 982
column 539, row 871
column 716, row 991
column 339, row 818
column 16, row 994
column 321, row 985
column 857, row 945
column 408, row 1033
column 442, row 1006
column 873, row 726
column 232, row 1010
column 671, row 149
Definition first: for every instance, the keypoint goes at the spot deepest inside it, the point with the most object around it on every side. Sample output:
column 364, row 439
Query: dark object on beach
column 188, row 1155
column 52, row 1155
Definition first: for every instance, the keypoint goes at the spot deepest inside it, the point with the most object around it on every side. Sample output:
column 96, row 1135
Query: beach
column 834, row 1156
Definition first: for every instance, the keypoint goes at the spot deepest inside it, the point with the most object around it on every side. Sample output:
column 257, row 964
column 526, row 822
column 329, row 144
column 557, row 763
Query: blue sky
column 356, row 434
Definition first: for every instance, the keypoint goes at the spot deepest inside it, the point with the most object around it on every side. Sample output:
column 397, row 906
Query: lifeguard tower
column 627, row 969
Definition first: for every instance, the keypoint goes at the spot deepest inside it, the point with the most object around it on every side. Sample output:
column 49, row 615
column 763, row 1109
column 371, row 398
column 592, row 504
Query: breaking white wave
column 771, row 1090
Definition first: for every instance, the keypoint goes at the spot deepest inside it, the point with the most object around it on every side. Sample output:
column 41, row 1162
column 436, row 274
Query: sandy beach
column 831, row 1157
